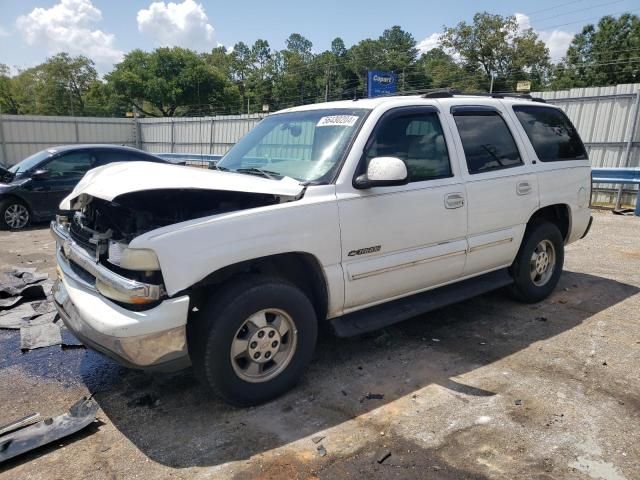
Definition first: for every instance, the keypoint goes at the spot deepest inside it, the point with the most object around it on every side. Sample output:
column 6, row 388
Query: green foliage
column 605, row 54
column 496, row 45
column 162, row 82
column 177, row 81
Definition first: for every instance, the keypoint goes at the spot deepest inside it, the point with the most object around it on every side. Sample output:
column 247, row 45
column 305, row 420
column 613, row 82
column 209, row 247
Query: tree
column 8, row 101
column 605, row 54
column 498, row 46
column 160, row 82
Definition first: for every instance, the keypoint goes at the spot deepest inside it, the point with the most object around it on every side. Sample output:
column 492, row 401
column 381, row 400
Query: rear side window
column 487, row 142
column 553, row 136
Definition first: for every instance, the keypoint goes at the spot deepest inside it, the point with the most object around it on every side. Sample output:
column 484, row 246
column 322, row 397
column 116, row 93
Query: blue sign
column 380, row 83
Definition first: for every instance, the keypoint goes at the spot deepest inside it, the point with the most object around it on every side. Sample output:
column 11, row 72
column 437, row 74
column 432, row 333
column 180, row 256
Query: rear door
column 502, row 191
column 398, row 240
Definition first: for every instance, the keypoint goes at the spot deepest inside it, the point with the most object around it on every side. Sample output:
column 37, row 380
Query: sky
column 104, row 30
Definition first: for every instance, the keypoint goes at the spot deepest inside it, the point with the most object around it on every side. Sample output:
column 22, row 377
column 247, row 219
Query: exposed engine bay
column 100, row 223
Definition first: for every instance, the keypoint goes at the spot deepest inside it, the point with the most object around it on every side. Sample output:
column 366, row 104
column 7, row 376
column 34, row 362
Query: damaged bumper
column 125, row 286
column 153, row 339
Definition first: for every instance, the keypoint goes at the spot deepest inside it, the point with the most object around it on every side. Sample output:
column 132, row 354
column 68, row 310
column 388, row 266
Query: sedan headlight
column 138, row 259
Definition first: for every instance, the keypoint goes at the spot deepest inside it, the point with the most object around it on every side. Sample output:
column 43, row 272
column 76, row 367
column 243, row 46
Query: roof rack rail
column 441, row 93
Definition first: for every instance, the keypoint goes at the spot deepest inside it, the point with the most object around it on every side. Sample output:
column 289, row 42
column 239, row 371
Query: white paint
column 116, row 179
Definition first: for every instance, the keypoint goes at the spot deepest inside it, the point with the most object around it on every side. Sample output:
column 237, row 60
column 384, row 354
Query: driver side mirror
column 40, row 174
column 383, row 172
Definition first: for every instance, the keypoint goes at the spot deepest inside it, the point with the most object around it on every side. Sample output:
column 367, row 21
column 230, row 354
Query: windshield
column 30, row 162
column 307, row 146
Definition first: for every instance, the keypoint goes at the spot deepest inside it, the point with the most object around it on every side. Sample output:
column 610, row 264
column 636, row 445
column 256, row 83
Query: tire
column 542, row 245
column 226, row 323
column 14, row 214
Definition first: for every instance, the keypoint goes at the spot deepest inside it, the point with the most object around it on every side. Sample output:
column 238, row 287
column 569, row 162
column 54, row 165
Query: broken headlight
column 138, row 259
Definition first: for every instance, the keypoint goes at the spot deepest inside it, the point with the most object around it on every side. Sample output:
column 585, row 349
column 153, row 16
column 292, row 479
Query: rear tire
column 538, row 265
column 253, row 340
column 14, row 214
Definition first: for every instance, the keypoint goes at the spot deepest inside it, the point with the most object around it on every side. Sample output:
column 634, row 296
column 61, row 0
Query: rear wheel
column 253, row 339
column 14, row 214
column 539, row 262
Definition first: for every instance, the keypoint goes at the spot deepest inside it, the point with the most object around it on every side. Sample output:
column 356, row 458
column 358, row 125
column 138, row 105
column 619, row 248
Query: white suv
column 356, row 213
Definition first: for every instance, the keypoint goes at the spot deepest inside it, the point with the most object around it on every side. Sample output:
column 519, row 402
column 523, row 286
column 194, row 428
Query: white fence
column 602, row 115
column 22, row 135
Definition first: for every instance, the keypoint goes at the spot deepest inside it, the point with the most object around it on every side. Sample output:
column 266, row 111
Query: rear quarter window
column 553, row 136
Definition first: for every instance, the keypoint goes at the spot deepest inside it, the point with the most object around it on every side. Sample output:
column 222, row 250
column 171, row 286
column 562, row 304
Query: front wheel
column 538, row 265
column 14, row 215
column 253, row 339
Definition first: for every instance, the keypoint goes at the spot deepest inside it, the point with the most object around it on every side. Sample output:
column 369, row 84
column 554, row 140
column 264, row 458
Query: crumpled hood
column 113, row 180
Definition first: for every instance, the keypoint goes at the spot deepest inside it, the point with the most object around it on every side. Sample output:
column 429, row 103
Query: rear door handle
column 523, row 188
column 454, row 200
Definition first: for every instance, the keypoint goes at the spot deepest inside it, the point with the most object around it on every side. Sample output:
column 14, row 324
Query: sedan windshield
column 30, row 162
column 308, row 146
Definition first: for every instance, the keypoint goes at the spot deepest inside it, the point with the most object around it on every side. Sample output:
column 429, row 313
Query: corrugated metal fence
column 603, row 116
column 23, row 135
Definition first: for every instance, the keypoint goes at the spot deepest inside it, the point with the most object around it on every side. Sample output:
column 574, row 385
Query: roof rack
column 433, row 93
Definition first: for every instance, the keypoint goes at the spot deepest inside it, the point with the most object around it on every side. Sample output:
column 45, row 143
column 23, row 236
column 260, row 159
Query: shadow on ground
column 187, row 427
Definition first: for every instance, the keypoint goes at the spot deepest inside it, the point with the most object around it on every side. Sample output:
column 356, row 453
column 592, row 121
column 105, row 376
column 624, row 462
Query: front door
column 399, row 240
column 63, row 172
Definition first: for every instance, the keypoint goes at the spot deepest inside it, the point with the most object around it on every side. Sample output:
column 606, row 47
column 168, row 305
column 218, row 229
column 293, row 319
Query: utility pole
column 248, row 103
column 491, row 87
column 326, row 86
column 403, row 82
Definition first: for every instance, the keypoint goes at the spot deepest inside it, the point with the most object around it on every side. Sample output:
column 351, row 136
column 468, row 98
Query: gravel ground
column 488, row 388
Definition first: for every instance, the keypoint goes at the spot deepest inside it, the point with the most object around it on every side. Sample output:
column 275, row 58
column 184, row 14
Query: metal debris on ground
column 27, row 438
column 21, row 282
column 382, row 455
column 40, row 335
column 321, row 450
column 372, row 396
column 317, row 439
column 518, row 402
column 20, row 423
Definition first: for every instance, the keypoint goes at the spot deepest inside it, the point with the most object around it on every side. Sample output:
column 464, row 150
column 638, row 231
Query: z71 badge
column 364, row 251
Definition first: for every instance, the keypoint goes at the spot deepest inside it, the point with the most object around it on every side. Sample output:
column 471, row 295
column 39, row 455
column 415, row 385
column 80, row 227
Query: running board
column 379, row 316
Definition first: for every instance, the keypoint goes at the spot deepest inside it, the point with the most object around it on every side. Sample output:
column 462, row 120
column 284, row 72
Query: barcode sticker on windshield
column 338, row 121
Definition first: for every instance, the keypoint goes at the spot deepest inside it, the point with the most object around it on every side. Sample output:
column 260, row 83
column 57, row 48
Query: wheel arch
column 559, row 214
column 302, row 269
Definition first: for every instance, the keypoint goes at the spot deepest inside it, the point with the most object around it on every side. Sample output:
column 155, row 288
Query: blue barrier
column 629, row 176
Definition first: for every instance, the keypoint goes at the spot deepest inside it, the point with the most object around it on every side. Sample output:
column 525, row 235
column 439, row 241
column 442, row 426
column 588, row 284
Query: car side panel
column 190, row 251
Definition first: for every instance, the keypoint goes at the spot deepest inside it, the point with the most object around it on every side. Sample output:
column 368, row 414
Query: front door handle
column 454, row 200
column 523, row 188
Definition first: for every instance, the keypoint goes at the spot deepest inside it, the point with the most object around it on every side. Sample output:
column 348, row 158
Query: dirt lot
column 484, row 389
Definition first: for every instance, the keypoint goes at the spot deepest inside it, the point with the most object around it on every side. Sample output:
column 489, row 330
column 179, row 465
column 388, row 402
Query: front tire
column 14, row 215
column 538, row 265
column 253, row 340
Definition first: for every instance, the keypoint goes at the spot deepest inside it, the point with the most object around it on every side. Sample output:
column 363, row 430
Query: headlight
column 139, row 259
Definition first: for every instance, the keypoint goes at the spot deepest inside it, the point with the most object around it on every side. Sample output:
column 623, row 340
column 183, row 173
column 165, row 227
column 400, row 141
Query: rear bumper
column 153, row 339
column 588, row 228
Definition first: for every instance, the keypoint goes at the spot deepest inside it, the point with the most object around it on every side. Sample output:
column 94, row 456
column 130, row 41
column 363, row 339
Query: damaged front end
column 95, row 239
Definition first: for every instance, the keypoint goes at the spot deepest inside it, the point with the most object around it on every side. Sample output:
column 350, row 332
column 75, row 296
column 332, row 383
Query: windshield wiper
column 258, row 171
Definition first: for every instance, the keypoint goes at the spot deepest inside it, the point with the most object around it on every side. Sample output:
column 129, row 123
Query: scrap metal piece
column 80, row 415
column 20, row 423
column 40, row 334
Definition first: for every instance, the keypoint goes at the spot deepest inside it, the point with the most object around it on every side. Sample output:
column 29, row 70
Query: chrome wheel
column 16, row 216
column 264, row 345
column 543, row 263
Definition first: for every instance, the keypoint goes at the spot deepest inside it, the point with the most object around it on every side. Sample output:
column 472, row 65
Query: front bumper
column 123, row 285
column 153, row 339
